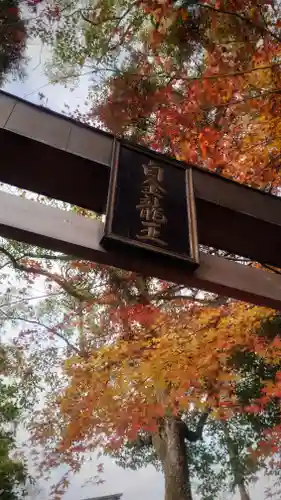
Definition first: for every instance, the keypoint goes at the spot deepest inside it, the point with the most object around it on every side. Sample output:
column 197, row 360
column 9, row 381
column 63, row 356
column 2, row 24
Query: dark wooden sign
column 151, row 205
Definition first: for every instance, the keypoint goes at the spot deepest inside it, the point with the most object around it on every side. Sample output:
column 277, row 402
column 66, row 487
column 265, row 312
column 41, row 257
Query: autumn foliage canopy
column 128, row 355
column 204, row 85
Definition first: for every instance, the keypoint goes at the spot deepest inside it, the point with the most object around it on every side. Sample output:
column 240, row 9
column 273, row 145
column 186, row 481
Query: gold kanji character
column 148, row 201
column 154, row 171
column 153, row 188
column 155, row 214
column 151, row 232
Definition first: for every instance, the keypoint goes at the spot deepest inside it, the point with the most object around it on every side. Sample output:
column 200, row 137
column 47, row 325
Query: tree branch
column 216, row 302
column 166, row 293
column 47, row 256
column 193, row 436
column 246, row 20
column 119, row 19
column 143, row 297
column 271, row 268
column 42, row 272
column 50, row 329
column 232, row 74
column 142, row 441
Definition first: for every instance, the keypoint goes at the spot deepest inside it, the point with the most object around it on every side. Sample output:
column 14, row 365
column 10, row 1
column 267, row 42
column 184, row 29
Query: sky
column 36, row 81
column 145, row 483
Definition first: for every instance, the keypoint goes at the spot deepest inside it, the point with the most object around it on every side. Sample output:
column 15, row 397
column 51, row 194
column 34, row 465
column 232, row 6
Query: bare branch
column 196, row 435
column 271, row 268
column 47, row 256
column 42, row 272
column 216, row 302
column 50, row 329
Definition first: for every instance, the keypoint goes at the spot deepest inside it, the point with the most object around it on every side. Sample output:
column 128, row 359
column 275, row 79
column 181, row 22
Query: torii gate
column 47, row 153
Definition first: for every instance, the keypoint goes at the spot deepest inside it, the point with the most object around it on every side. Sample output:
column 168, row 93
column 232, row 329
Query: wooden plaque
column 151, row 206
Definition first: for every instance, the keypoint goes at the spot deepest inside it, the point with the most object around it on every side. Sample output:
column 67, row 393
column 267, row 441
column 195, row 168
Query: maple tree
column 217, row 106
column 197, row 79
column 223, row 460
column 131, row 358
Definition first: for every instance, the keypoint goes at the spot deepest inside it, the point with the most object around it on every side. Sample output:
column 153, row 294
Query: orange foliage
column 128, row 384
column 133, row 359
column 223, row 115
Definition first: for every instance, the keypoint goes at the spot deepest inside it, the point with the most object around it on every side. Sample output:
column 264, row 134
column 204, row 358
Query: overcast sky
column 36, row 81
column 145, row 484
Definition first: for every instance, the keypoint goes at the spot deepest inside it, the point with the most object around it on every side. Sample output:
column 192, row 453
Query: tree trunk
column 236, row 466
column 244, row 495
column 170, row 447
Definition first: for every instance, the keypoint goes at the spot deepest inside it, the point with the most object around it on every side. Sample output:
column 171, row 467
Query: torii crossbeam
column 47, row 153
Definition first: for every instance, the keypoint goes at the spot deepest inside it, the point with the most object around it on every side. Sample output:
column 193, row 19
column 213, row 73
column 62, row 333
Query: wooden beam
column 48, row 153
column 238, row 219
column 40, row 168
column 45, row 152
column 48, row 227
